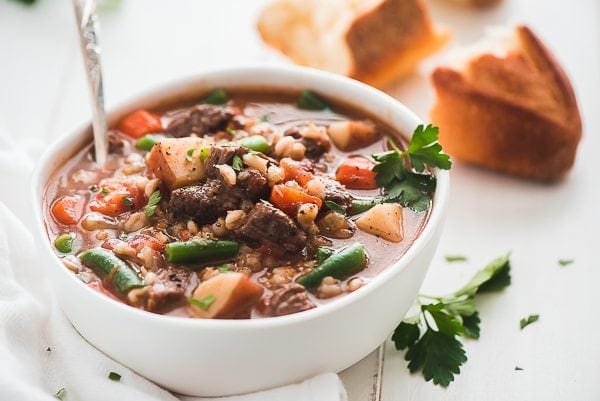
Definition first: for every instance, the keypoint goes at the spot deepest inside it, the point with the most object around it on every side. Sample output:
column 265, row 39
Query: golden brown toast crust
column 516, row 114
column 384, row 41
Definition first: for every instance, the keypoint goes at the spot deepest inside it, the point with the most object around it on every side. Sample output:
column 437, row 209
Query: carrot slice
column 357, row 173
column 296, row 171
column 140, row 123
column 68, row 210
column 289, row 199
column 139, row 241
column 116, row 198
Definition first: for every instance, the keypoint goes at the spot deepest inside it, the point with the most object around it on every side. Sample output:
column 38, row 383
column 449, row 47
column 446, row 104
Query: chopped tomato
column 140, row 123
column 357, row 173
column 96, row 285
column 139, row 241
column 115, row 198
column 296, row 171
column 289, row 199
column 68, row 210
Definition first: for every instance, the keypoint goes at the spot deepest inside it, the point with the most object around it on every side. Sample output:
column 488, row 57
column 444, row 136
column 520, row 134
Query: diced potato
column 352, row 135
column 170, row 162
column 234, row 296
column 383, row 220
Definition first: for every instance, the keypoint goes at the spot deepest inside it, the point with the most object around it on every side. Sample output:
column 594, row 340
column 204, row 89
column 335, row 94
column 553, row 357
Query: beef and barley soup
column 246, row 204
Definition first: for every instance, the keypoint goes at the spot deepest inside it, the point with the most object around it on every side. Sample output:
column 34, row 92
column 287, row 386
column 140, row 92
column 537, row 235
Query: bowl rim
column 293, row 72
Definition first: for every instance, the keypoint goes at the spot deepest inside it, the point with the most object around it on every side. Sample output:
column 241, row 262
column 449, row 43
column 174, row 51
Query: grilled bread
column 515, row 113
column 371, row 40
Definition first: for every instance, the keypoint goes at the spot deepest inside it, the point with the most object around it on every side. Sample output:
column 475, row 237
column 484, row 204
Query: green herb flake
column 152, row 203
column 225, row 267
column 189, row 155
column 203, row 303
column 104, row 191
column 526, row 321
column 94, row 188
column 48, row 349
column 216, row 97
column 127, row 201
column 335, row 207
column 432, row 337
column 237, row 164
column 518, row 368
column 455, row 258
column 264, row 118
column 61, row 394
column 114, row 376
column 310, row 101
column 204, row 153
column 565, row 262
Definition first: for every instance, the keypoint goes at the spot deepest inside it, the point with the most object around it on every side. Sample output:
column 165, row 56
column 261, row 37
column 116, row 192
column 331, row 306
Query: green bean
column 257, row 143
column 310, row 101
column 200, row 250
column 108, row 264
column 216, row 97
column 145, row 143
column 322, row 254
column 339, row 265
column 64, row 243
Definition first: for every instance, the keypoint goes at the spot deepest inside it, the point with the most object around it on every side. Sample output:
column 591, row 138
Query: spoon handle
column 87, row 21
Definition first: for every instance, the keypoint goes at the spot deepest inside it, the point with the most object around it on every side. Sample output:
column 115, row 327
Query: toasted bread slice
column 370, row 40
column 514, row 113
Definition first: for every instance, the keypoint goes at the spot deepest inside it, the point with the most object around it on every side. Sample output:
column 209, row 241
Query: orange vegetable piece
column 139, row 241
column 296, row 171
column 357, row 173
column 68, row 210
column 115, row 198
column 140, row 123
column 289, row 199
column 231, row 295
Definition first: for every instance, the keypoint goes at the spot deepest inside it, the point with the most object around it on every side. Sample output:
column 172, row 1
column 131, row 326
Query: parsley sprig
column 432, row 337
column 402, row 172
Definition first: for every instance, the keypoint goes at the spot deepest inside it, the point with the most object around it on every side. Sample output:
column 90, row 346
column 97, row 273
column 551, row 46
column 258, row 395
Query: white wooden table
column 147, row 42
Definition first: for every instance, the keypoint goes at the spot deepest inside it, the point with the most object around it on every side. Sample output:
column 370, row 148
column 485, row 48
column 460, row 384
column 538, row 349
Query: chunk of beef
column 315, row 148
column 267, row 225
column 221, row 155
column 289, row 298
column 252, row 183
column 335, row 192
column 115, row 143
column 168, row 289
column 201, row 120
column 205, row 203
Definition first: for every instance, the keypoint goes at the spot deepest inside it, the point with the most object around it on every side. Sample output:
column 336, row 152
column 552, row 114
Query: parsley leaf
column 424, row 149
column 565, row 262
column 203, row 303
column 495, row 276
column 455, row 258
column 114, row 376
column 335, row 207
column 439, row 356
column 436, row 349
column 518, row 368
column 152, row 203
column 401, row 173
column 127, row 201
column 526, row 321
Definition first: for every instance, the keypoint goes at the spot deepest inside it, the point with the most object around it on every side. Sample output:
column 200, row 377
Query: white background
column 147, row 42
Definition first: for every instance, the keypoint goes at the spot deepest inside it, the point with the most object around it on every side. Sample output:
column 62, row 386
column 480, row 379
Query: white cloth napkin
column 41, row 353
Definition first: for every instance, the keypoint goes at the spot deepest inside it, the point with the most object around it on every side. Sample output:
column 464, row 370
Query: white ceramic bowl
column 222, row 357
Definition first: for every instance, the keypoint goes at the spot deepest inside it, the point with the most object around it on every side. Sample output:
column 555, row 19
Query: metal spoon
column 87, row 20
